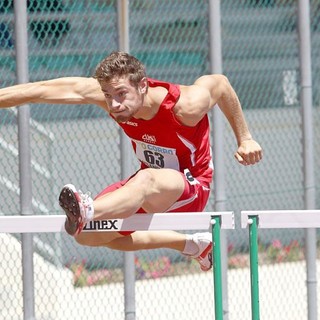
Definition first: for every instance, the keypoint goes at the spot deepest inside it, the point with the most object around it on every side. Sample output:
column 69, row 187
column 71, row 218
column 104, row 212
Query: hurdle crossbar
column 277, row 219
column 155, row 221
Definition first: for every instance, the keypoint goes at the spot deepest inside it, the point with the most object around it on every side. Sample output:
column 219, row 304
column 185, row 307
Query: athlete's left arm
column 211, row 90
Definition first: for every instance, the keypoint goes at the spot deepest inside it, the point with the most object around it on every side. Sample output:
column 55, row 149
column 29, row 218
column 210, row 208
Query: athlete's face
column 124, row 100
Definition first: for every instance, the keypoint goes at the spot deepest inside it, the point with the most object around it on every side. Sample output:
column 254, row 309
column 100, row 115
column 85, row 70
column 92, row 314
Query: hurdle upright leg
column 254, row 266
column 217, row 275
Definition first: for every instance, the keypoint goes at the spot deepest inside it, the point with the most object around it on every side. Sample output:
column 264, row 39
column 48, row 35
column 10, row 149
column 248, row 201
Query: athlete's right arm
column 69, row 90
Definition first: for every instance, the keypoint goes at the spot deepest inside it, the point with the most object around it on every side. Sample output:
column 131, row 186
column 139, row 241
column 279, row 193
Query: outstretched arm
column 69, row 90
column 216, row 89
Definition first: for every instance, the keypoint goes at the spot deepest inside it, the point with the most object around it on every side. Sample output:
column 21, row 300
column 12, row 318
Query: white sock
column 90, row 213
column 191, row 248
column 88, row 209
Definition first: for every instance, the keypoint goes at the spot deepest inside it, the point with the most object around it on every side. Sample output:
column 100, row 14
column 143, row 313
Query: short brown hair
column 119, row 64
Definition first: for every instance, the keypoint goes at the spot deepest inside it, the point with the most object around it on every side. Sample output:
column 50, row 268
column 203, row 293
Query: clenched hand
column 249, row 152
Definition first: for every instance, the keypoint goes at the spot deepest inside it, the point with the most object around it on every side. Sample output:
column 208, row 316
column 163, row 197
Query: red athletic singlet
column 163, row 142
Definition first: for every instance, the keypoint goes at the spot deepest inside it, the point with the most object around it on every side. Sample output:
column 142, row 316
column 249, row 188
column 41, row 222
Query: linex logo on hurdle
column 102, row 225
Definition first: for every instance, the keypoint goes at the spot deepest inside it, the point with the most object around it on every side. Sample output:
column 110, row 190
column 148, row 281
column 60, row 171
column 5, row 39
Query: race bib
column 156, row 156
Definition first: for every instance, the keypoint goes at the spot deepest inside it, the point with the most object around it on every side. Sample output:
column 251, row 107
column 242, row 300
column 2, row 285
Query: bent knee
column 145, row 176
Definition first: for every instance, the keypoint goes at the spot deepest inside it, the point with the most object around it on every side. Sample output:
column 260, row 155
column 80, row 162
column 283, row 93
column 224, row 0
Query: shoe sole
column 69, row 202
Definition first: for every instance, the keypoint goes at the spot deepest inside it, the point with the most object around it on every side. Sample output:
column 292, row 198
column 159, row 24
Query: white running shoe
column 77, row 206
column 204, row 255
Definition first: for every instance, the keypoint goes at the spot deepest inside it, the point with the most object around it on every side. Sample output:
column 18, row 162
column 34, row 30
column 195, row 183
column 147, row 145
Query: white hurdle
column 272, row 219
column 277, row 219
column 156, row 221
column 213, row 221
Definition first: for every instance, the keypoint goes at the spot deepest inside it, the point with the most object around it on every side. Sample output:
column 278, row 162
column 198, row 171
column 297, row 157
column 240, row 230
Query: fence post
column 218, row 144
column 126, row 164
column 21, row 50
column 308, row 150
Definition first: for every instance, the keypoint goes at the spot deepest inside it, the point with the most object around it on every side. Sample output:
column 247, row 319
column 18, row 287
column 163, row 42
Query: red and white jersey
column 163, row 142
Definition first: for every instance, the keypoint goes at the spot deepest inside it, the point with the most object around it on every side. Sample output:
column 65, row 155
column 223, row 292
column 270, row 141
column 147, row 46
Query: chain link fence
column 80, row 144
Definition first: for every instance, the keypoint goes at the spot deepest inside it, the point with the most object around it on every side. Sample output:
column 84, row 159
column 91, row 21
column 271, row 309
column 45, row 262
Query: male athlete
column 169, row 131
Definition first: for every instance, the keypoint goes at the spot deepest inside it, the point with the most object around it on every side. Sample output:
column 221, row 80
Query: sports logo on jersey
column 130, row 123
column 149, row 138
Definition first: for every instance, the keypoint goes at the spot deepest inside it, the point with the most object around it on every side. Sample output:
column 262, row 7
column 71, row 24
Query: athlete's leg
column 148, row 189
column 154, row 190
column 197, row 246
column 139, row 240
column 159, row 194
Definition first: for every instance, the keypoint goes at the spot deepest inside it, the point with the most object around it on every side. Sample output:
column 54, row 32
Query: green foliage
column 274, row 252
column 145, row 269
column 277, row 252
